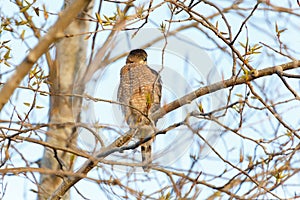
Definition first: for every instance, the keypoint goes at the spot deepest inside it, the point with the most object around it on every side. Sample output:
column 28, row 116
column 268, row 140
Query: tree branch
column 221, row 85
column 90, row 164
column 53, row 35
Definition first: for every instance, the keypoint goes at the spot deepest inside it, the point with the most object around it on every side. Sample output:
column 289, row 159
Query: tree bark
column 70, row 57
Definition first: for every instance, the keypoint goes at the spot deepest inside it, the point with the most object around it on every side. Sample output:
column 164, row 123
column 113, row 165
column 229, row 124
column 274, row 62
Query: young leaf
column 107, row 18
column 6, row 55
column 87, row 37
column 243, row 45
column 239, row 95
column 45, row 12
column 6, row 63
column 162, row 27
column 22, row 35
column 25, row 8
column 98, row 18
column 26, row 104
column 200, row 107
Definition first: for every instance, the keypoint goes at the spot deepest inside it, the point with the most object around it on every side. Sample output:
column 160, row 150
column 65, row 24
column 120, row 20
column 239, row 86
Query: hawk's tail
column 146, row 155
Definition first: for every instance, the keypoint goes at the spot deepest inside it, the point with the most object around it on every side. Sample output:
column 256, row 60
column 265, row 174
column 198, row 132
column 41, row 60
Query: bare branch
column 53, row 35
column 90, row 164
column 221, row 85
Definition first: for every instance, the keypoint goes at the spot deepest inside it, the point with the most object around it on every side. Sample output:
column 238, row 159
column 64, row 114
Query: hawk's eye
column 145, row 59
column 129, row 60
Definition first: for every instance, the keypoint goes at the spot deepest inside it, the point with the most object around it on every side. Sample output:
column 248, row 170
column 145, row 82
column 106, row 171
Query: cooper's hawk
column 140, row 92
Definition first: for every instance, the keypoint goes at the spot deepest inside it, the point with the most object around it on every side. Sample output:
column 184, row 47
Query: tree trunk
column 70, row 57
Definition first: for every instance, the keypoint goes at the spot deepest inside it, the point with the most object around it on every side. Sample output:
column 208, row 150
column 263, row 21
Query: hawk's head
column 137, row 56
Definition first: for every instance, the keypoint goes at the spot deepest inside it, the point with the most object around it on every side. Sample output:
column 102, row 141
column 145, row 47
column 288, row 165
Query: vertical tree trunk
column 70, row 57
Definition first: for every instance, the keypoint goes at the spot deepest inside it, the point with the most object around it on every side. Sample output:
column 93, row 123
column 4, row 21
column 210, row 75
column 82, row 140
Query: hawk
column 140, row 93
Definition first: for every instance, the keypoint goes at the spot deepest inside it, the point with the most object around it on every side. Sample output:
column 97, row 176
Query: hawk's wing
column 140, row 87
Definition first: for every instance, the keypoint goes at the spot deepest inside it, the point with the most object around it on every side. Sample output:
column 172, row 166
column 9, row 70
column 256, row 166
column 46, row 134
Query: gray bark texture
column 70, row 57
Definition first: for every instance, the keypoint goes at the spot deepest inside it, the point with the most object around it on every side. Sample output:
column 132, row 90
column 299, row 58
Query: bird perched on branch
column 140, row 94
